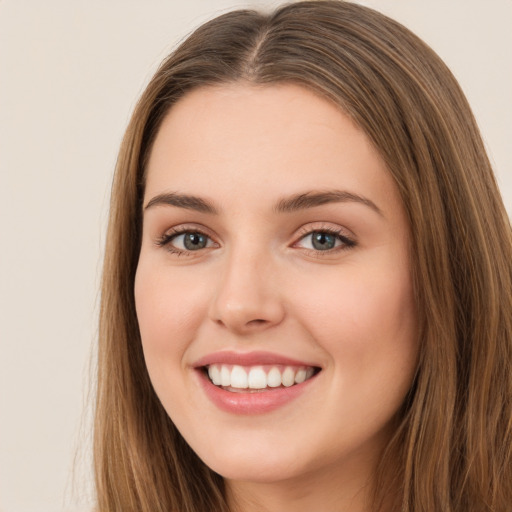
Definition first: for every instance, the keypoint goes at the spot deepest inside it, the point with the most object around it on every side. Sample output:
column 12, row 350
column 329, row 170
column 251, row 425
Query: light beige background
column 70, row 73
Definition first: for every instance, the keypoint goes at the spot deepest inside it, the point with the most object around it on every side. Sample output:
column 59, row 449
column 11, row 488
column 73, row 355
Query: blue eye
column 191, row 241
column 325, row 240
column 185, row 241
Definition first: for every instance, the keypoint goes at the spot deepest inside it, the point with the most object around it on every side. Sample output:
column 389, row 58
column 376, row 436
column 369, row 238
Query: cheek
column 169, row 307
column 365, row 319
column 357, row 300
column 366, row 323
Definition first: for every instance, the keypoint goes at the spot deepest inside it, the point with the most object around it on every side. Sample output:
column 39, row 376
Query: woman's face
column 275, row 257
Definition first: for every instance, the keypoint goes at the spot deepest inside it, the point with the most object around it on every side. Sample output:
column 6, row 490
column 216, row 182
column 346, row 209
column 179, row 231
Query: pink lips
column 249, row 359
column 250, row 402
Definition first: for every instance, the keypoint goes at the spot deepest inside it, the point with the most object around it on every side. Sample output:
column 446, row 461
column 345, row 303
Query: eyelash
column 346, row 242
column 339, row 234
column 167, row 238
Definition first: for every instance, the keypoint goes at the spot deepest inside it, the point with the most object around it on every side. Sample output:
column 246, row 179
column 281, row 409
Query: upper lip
column 249, row 359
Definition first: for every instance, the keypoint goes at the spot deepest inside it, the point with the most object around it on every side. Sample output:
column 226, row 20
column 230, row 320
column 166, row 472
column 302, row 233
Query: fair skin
column 274, row 237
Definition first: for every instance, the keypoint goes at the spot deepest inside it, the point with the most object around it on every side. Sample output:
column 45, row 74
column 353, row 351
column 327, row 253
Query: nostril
column 256, row 321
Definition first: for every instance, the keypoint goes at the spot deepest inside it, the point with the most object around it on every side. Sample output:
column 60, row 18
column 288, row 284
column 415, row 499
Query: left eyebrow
column 312, row 199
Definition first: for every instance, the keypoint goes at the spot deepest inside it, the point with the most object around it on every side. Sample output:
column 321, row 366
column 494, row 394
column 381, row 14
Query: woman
column 307, row 286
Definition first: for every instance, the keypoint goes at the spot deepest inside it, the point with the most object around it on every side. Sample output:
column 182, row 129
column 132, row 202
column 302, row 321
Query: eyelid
column 345, row 236
column 348, row 239
column 170, row 234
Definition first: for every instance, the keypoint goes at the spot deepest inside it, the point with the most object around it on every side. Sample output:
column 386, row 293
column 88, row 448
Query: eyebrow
column 312, row 199
column 290, row 204
column 183, row 201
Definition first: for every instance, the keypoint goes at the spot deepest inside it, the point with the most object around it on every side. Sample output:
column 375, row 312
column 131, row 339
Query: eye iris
column 323, row 241
column 194, row 241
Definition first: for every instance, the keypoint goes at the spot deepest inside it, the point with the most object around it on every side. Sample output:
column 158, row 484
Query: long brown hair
column 452, row 449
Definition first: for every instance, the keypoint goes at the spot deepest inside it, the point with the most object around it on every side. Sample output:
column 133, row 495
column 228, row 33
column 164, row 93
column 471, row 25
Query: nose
column 247, row 298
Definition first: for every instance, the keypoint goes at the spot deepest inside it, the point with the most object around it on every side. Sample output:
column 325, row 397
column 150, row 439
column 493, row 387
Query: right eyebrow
column 182, row 201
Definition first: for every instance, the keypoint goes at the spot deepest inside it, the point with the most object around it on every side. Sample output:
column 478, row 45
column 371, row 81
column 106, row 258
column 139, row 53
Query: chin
column 255, row 471
column 247, row 462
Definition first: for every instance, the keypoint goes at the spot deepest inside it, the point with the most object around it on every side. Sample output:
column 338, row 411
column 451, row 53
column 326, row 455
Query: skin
column 260, row 285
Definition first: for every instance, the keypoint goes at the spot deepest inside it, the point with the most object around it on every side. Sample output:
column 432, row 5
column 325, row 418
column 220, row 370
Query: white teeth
column 300, row 376
column 274, row 378
column 214, row 374
column 225, row 376
column 288, row 377
column 257, row 377
column 239, row 378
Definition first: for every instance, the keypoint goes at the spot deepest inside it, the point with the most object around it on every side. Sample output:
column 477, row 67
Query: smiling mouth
column 254, row 379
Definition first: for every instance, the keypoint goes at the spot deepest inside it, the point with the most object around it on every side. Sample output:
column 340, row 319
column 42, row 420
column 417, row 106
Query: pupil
column 194, row 241
column 323, row 241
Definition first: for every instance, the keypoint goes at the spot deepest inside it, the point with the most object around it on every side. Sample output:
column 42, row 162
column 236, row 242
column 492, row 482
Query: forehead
column 268, row 140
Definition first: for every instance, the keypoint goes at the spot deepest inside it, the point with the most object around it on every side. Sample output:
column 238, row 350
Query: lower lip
column 251, row 403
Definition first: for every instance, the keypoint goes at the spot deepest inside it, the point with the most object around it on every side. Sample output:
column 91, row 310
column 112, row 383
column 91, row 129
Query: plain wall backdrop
column 70, row 74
